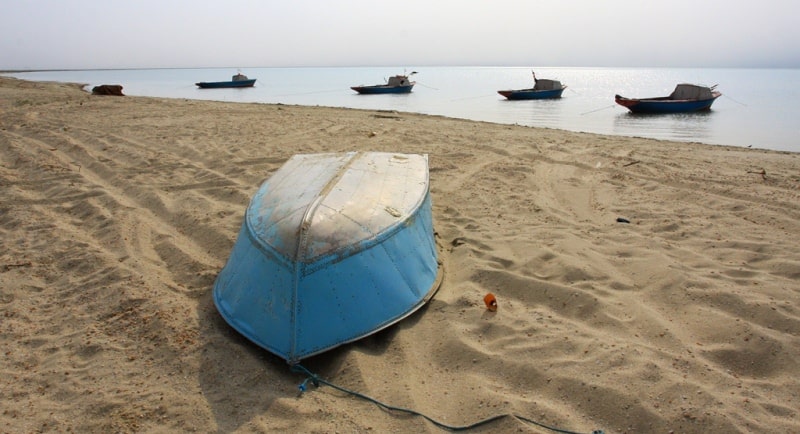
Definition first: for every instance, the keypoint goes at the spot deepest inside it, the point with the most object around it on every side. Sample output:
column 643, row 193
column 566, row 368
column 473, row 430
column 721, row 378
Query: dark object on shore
column 622, row 220
column 108, row 89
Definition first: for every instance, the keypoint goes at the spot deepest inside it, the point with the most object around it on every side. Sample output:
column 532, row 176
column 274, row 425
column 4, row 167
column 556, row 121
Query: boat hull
column 382, row 89
column 333, row 248
column 665, row 104
column 522, row 94
column 225, row 84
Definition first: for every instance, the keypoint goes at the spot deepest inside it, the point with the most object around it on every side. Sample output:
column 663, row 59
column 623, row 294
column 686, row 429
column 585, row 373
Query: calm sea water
column 758, row 108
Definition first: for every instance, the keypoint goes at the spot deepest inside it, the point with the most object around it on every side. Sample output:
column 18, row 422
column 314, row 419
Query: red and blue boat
column 686, row 98
column 395, row 84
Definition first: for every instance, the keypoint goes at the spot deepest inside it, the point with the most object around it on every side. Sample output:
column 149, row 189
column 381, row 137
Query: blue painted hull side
column 384, row 283
column 251, row 266
column 531, row 94
column 225, row 84
column 381, row 89
column 296, row 310
column 671, row 107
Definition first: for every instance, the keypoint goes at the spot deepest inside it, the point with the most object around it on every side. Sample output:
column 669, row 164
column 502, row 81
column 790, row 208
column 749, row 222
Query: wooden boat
column 542, row 89
column 395, row 84
column 238, row 80
column 685, row 98
column 333, row 247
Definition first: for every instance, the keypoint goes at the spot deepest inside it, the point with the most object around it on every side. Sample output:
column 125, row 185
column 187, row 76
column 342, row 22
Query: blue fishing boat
column 684, row 99
column 333, row 248
column 395, row 84
column 238, row 80
column 542, row 89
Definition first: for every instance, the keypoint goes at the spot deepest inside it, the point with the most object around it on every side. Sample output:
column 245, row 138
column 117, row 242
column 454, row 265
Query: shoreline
column 634, row 137
column 119, row 213
column 735, row 120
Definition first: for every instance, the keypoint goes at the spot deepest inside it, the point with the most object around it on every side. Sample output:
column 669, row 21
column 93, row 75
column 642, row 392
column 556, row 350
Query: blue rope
column 316, row 381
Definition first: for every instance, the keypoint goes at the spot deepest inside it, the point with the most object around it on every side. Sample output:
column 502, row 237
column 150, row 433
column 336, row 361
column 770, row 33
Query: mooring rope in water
column 472, row 97
column 737, row 102
column 597, row 110
column 316, row 381
column 423, row 85
column 309, row 93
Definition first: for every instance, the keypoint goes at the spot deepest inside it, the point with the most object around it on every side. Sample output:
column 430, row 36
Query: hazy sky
column 93, row 34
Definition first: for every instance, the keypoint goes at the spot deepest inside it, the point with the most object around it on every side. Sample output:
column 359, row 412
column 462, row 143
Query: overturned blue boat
column 333, row 248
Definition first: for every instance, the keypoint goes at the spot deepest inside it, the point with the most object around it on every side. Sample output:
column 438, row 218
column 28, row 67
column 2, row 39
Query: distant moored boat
column 395, row 84
column 685, row 98
column 238, row 80
column 542, row 89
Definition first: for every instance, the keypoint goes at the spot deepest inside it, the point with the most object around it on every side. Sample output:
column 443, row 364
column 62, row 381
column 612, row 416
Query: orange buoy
column 491, row 302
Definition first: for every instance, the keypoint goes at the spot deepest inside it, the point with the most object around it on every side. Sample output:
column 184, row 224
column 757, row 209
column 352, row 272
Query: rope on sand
column 316, row 381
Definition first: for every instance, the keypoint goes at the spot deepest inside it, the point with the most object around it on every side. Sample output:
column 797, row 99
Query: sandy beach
column 117, row 214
